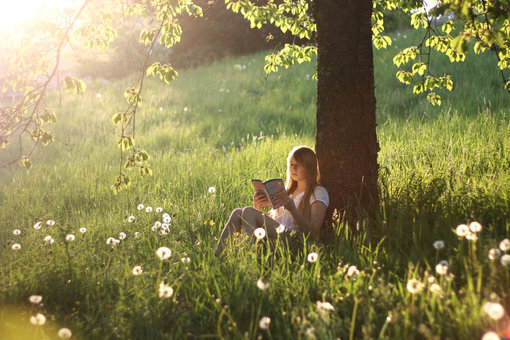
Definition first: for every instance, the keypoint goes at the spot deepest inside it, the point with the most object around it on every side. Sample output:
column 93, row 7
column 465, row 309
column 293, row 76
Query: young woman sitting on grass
column 304, row 205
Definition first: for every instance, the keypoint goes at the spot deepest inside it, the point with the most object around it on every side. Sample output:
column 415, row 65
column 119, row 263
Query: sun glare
column 16, row 13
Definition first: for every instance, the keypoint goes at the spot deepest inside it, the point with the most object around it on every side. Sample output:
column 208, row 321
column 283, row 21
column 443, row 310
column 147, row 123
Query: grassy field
column 217, row 127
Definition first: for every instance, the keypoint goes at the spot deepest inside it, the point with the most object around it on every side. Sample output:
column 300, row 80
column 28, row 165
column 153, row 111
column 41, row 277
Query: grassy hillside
column 219, row 126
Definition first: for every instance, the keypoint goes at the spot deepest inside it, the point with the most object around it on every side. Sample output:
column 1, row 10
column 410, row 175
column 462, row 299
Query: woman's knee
column 236, row 213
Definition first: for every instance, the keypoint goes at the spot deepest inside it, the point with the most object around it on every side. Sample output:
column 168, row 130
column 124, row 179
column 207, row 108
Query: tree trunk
column 346, row 141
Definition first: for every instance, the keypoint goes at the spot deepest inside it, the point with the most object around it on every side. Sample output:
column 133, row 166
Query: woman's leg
column 233, row 225
column 252, row 219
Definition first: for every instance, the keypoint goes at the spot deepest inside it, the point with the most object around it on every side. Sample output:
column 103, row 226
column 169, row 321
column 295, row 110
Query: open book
column 272, row 188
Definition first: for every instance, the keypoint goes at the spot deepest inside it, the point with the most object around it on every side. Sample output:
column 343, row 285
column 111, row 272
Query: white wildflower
column 137, row 234
column 435, row 288
column 490, row 336
column 83, row 230
column 472, row 237
column 442, row 268
column 165, row 291
column 16, row 246
column 38, row 319
column 131, row 219
column 159, row 209
column 98, row 95
column 137, row 270
column 494, row 310
column 505, row 260
column 475, row 227
column 259, row 233
column 35, row 299
column 166, row 218
column 148, row 209
column 140, row 206
column 122, row 235
column 280, row 229
column 504, row 245
column 70, row 238
column 16, row 232
column 325, row 306
column 64, row 333
column 312, row 257
column 462, row 230
column 352, row 271
column 211, row 190
column 262, row 285
column 264, row 322
column 185, row 260
column 438, row 245
column 163, row 232
column 38, row 225
column 414, row 286
column 48, row 239
column 163, row 253
column 112, row 241
column 186, row 109
column 49, row 223
column 165, row 226
column 494, row 254
column 154, row 228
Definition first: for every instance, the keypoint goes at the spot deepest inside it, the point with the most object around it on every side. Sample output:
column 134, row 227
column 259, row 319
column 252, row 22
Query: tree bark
column 346, row 141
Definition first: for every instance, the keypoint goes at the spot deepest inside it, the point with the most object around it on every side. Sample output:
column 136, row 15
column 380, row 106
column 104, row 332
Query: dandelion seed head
column 259, row 233
column 137, row 234
column 186, row 109
column 325, row 306
column 262, row 285
column 137, row 270
column 280, row 229
column 414, row 286
column 16, row 246
column 154, row 228
column 166, row 218
column 122, row 235
column 438, row 245
column 475, row 227
column 442, row 268
column 112, row 241
column 505, row 260
column 70, row 238
column 49, row 239
column 35, row 299
column 148, row 209
column 16, row 232
column 131, row 219
column 64, row 333
column 472, row 236
column 185, row 260
column 312, row 257
column 83, row 230
column 435, row 288
column 504, row 245
column 462, row 230
column 49, row 223
column 163, row 232
column 490, row 336
column 38, row 225
column 211, row 190
column 264, row 322
column 494, row 310
column 159, row 209
column 98, row 95
column 140, row 206
column 165, row 291
column 163, row 253
column 494, row 254
column 38, row 319
column 165, row 226
column 352, row 271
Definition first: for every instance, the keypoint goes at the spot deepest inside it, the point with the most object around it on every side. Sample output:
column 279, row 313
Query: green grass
column 440, row 167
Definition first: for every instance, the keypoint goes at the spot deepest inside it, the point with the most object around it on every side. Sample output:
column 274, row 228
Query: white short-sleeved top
column 283, row 216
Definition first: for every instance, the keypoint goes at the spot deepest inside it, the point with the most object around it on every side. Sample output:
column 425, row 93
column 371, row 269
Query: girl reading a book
column 304, row 203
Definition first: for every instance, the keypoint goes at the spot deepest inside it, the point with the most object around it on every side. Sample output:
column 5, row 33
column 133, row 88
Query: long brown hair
column 306, row 158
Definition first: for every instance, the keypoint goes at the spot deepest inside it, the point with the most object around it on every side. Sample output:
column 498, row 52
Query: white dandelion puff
column 38, row 225
column 211, row 190
column 442, row 268
column 438, row 245
column 435, row 289
column 70, row 238
column 148, row 209
column 280, row 229
column 35, row 299
column 185, row 260
column 325, row 306
column 490, row 336
column 462, row 230
column 16, row 232
column 16, row 246
column 312, row 257
column 49, row 239
column 137, row 270
column 98, row 95
column 505, row 260
column 352, row 271
column 504, row 245
column 165, row 291
column 414, row 286
column 112, row 241
column 262, row 285
column 163, row 253
column 165, row 226
column 137, row 234
column 131, row 219
column 38, row 319
column 157, row 224
column 159, row 209
column 471, row 236
column 475, row 227
column 49, row 223
column 64, row 333
column 259, row 233
column 494, row 254
column 264, row 322
column 83, row 230
column 166, row 218
column 494, row 310
column 140, row 206
column 122, row 235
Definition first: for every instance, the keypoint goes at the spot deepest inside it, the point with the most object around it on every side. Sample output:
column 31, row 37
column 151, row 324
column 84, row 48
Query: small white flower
column 165, row 226
column 163, row 232
column 490, row 336
column 16, row 232
column 414, row 286
column 38, row 319
column 186, row 109
column 442, row 268
column 49, row 222
column 262, row 285
column 83, row 230
column 212, row 190
column 38, row 225
column 16, row 246
column 438, row 245
column 157, row 224
column 280, row 229
column 431, row 279
column 112, row 241
column 435, row 288
column 259, row 233
column 148, row 209
column 494, row 310
column 140, row 206
column 325, row 306
column 160, row 109
column 475, row 227
column 122, row 235
column 70, row 238
column 185, row 260
column 166, row 218
column 159, row 209
column 505, row 260
column 163, row 253
column 462, row 230
column 48, row 239
column 312, row 257
column 494, row 254
column 504, row 245
column 352, row 271
column 137, row 234
column 165, row 291
column 472, row 236
column 98, row 95
column 64, row 333
column 137, row 270
column 35, row 299
column 264, row 322
column 131, row 219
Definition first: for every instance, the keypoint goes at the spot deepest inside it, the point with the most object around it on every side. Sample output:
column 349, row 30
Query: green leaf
column 26, row 163
column 74, row 85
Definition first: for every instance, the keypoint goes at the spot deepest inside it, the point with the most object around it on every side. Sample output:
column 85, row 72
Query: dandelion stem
column 353, row 320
